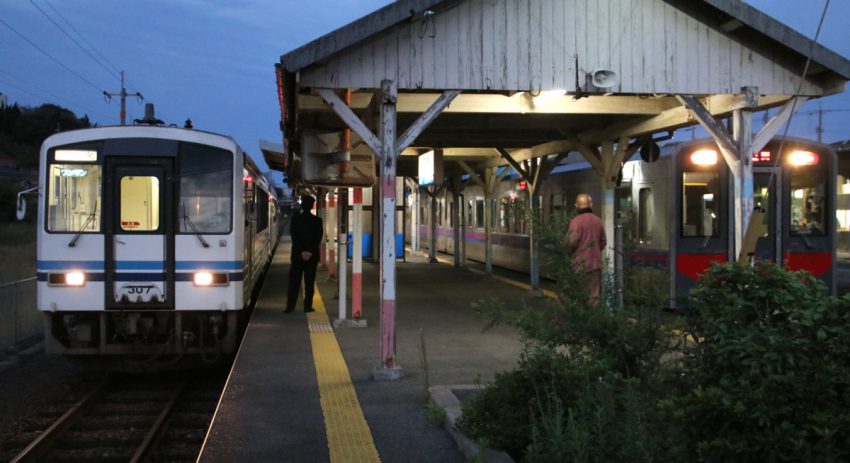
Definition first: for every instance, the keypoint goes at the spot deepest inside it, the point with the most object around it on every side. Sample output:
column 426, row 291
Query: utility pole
column 819, row 130
column 123, row 95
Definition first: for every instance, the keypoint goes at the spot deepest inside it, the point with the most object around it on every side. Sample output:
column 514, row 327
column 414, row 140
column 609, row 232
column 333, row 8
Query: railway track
column 131, row 419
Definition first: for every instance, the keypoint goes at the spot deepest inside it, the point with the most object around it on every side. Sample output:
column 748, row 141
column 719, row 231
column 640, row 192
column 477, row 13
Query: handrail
column 13, row 283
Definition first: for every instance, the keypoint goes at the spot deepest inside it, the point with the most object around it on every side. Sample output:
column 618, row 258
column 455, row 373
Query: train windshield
column 73, row 203
column 206, row 192
column 808, row 201
column 700, row 197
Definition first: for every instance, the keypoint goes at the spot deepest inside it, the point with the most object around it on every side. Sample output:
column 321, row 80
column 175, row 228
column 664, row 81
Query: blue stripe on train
column 139, row 276
column 44, row 265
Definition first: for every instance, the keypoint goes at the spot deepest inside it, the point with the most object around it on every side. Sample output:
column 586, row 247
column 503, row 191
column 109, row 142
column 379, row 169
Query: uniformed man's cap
column 307, row 200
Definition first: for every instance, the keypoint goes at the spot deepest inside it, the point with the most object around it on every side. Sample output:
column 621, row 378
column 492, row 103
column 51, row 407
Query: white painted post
column 321, row 207
column 742, row 133
column 389, row 369
column 331, row 215
column 432, row 225
column 357, row 256
column 414, row 217
column 342, row 238
column 607, row 213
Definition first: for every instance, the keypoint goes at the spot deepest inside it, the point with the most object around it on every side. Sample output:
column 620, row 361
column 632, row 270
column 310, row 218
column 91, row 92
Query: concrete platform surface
column 273, row 410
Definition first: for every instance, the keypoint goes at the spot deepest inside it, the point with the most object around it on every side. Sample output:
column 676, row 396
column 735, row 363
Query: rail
column 19, row 318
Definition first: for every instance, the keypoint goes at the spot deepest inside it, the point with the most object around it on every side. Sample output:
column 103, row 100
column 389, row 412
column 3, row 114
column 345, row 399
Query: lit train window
column 808, row 201
column 699, row 204
column 646, row 216
column 73, row 199
column 139, row 203
column 206, row 190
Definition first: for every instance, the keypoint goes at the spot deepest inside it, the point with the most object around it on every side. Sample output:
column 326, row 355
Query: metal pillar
column 331, row 215
column 342, row 239
column 432, row 225
column 357, row 256
column 389, row 369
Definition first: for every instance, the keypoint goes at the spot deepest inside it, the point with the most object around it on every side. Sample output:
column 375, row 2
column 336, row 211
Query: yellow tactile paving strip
column 349, row 437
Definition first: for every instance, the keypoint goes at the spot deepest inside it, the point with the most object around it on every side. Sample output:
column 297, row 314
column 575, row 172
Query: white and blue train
column 151, row 241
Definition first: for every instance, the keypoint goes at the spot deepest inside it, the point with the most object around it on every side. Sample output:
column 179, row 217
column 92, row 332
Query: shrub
column 769, row 375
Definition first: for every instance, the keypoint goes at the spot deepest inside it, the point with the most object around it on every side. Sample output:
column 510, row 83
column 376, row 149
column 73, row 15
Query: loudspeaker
column 604, row 78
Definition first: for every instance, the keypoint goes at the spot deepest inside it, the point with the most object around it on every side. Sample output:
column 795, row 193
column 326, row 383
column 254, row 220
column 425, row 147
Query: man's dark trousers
column 308, row 268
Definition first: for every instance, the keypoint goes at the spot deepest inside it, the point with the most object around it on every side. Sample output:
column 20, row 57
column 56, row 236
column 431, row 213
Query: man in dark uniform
column 307, row 231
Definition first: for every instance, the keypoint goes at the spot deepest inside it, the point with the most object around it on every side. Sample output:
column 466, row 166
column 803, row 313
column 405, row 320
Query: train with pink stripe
column 676, row 211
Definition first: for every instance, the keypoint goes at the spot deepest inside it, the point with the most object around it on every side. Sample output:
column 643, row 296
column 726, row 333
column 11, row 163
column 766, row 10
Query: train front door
column 139, row 245
column 701, row 211
column 767, row 201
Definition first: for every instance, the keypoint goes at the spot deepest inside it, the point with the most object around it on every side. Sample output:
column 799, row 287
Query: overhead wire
column 83, row 37
column 22, row 36
column 96, row 60
column 799, row 90
column 76, row 106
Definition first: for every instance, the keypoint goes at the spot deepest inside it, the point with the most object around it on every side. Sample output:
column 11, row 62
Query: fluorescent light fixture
column 708, row 197
column 75, row 155
column 547, row 96
column 704, row 157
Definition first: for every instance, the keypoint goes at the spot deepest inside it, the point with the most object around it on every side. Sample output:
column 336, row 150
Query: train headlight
column 72, row 278
column 803, row 158
column 704, row 157
column 75, row 278
column 210, row 279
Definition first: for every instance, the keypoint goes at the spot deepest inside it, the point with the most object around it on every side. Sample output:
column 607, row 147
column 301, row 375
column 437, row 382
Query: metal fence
column 19, row 318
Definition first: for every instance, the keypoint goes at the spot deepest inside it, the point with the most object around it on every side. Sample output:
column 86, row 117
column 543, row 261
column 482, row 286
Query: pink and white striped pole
column 389, row 369
column 331, row 224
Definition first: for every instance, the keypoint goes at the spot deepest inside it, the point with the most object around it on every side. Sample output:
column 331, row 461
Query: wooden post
column 330, row 214
column 489, row 180
column 455, row 219
column 742, row 133
column 389, row 369
column 342, row 238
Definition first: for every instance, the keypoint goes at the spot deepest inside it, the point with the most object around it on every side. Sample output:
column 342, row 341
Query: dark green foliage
column 22, row 130
column 608, row 420
column 583, row 391
column 769, row 378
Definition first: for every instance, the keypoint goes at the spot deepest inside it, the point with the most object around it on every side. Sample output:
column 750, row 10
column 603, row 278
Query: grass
column 17, row 251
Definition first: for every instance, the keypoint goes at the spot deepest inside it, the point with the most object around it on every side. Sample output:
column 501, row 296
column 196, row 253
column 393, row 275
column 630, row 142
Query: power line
column 49, row 55
column 110, row 63
column 96, row 60
column 70, row 103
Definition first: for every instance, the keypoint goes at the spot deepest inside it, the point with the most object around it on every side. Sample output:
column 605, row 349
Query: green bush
column 769, row 375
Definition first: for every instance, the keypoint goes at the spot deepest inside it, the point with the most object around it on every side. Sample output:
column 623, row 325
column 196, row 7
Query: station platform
column 300, row 390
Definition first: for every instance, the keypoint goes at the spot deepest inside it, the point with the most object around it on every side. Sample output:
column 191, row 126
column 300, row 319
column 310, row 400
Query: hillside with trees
column 23, row 129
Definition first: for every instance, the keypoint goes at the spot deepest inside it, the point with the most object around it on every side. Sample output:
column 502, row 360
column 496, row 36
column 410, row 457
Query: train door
column 766, row 200
column 808, row 236
column 138, row 222
column 701, row 216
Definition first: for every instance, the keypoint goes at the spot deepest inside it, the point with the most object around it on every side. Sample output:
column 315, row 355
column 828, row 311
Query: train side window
column 699, row 204
column 646, row 216
column 206, row 196
column 74, row 198
column 808, row 201
column 139, row 203
column 479, row 213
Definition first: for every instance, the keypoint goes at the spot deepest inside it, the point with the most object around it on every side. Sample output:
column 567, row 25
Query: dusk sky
column 212, row 60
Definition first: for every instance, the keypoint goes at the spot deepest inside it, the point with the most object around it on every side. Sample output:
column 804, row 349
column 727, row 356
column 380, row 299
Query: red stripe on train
column 816, row 263
column 694, row 265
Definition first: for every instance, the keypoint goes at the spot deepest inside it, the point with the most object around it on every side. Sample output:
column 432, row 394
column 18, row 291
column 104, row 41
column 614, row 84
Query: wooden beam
column 424, row 120
column 517, row 167
column 519, row 103
column 472, row 174
column 728, row 146
column 593, row 157
column 717, row 105
column 351, row 120
column 775, row 123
